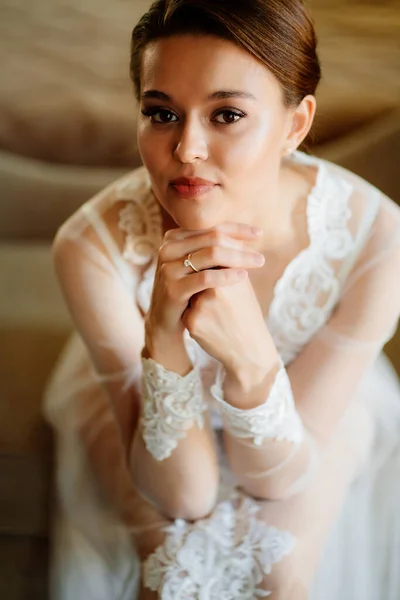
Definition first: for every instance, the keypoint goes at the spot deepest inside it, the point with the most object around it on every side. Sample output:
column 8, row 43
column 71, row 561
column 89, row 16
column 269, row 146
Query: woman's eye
column 226, row 117
column 158, row 115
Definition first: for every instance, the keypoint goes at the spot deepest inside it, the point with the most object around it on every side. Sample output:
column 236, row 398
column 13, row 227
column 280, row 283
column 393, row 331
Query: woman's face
column 210, row 111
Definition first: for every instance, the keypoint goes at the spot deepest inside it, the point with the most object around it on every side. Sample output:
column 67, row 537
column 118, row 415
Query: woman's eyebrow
column 224, row 94
column 220, row 95
column 157, row 95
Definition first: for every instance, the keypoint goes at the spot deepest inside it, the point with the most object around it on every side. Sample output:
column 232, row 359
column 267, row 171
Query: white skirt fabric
column 361, row 560
column 94, row 558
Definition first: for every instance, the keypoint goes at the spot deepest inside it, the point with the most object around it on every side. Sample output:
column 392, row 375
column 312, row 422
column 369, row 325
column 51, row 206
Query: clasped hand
column 217, row 305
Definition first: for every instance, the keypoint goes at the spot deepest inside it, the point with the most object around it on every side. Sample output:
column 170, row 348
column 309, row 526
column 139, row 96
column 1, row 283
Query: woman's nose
column 191, row 145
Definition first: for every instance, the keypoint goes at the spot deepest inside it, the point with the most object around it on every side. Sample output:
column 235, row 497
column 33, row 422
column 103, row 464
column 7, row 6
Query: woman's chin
column 195, row 223
column 195, row 220
column 196, row 214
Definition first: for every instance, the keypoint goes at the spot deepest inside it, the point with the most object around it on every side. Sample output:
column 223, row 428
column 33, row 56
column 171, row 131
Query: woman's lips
column 192, row 191
column 192, row 187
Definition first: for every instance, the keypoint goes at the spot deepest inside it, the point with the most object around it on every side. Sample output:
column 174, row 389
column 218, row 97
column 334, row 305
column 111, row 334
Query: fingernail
column 259, row 259
column 256, row 231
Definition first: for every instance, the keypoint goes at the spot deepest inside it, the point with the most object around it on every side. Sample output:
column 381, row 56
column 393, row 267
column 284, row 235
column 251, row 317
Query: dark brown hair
column 277, row 32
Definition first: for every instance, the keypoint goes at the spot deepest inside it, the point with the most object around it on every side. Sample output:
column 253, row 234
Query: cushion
column 34, row 326
column 359, row 52
column 66, row 96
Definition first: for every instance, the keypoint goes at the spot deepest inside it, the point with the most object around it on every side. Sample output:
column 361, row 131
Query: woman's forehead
column 203, row 65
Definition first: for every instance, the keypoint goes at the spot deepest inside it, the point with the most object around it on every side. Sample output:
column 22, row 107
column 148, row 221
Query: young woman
column 228, row 427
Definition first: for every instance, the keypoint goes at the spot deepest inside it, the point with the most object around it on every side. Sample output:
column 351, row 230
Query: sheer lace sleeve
column 326, row 374
column 105, row 316
column 99, row 283
column 365, row 318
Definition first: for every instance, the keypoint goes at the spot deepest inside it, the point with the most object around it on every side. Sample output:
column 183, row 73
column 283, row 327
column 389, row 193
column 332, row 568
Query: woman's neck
column 283, row 217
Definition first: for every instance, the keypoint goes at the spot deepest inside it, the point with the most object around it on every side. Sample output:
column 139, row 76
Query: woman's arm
column 158, row 408
column 112, row 328
column 322, row 380
column 295, row 414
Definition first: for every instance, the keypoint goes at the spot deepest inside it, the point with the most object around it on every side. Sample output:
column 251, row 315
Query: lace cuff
column 171, row 404
column 276, row 419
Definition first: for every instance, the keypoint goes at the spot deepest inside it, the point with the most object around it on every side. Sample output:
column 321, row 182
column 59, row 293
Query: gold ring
column 188, row 263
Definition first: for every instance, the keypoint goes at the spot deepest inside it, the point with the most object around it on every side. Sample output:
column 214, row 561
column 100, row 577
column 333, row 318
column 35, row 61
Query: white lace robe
column 317, row 529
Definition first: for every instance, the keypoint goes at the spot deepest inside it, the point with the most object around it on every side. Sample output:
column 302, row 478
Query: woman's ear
column 300, row 120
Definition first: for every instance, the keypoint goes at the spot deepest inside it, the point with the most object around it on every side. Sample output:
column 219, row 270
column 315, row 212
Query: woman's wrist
column 249, row 386
column 247, row 381
column 168, row 350
column 265, row 411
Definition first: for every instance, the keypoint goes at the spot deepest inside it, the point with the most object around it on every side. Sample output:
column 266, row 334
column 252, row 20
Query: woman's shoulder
column 374, row 225
column 370, row 210
column 130, row 187
column 122, row 221
column 361, row 187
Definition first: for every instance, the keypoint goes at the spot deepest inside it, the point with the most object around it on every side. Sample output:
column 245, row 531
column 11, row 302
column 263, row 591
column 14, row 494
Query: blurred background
column 67, row 128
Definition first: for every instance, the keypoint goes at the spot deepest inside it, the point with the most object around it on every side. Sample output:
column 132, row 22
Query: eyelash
column 151, row 112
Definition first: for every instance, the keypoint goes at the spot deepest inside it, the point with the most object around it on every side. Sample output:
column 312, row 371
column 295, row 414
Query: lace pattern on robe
column 224, row 556
column 309, row 289
column 140, row 220
column 171, row 405
column 276, row 419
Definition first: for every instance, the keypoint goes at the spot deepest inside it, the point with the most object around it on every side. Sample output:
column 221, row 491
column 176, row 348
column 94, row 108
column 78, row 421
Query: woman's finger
column 215, row 257
column 218, row 256
column 179, row 249
column 240, row 231
column 183, row 289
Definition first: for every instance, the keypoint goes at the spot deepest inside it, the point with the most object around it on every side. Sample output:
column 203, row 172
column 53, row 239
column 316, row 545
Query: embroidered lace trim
column 276, row 419
column 309, row 289
column 140, row 220
column 171, row 405
column 226, row 555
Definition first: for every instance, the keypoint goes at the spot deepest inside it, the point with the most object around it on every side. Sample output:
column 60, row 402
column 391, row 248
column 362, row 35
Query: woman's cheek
column 249, row 146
